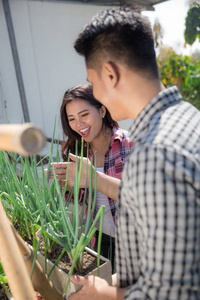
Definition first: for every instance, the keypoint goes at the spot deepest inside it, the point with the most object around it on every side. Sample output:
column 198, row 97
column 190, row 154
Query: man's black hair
column 121, row 34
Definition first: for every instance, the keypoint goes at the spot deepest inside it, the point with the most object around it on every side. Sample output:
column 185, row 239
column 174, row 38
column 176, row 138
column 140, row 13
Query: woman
column 83, row 117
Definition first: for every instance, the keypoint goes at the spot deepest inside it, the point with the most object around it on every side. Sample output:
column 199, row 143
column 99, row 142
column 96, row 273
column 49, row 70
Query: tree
column 158, row 33
column 183, row 71
column 192, row 22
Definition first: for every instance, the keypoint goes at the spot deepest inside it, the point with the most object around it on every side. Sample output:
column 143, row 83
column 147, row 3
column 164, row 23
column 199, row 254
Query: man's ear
column 110, row 72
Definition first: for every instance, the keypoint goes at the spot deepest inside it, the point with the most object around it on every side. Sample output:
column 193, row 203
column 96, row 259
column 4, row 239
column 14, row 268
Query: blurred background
column 38, row 61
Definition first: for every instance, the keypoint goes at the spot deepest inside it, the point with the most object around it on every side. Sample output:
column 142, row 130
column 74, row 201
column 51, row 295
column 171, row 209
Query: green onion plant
column 40, row 211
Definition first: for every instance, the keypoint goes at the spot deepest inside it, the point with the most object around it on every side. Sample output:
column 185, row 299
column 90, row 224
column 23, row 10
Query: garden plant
column 40, row 211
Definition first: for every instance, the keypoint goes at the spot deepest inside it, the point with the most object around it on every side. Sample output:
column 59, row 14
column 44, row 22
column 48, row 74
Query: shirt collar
column 159, row 102
column 116, row 135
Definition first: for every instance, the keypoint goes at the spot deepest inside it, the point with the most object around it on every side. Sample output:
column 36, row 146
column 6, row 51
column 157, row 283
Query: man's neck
column 139, row 92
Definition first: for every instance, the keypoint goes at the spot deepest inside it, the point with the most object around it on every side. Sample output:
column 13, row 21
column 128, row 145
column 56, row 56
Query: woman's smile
column 85, row 132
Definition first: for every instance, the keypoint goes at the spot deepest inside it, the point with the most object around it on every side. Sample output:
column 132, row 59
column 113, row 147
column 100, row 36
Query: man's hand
column 92, row 288
column 95, row 288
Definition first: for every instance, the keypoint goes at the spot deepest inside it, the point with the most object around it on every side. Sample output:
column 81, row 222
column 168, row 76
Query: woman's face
column 85, row 119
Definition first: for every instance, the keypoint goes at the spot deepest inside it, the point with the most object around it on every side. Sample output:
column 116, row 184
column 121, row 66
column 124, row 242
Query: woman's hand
column 106, row 184
column 62, row 168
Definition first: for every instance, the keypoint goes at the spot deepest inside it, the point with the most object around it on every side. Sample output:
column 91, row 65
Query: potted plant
column 41, row 213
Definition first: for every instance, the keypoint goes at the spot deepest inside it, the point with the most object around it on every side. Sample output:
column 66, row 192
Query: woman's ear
column 103, row 111
column 110, row 73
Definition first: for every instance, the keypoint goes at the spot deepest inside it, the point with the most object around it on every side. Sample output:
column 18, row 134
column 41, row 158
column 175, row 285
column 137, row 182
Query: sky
column 171, row 15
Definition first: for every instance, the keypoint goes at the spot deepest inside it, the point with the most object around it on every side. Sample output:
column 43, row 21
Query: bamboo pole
column 25, row 139
column 40, row 280
column 13, row 263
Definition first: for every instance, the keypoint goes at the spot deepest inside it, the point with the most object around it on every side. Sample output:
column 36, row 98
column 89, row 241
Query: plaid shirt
column 158, row 217
column 115, row 158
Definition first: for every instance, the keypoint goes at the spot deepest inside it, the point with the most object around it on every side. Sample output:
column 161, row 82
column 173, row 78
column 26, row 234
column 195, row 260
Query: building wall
column 45, row 33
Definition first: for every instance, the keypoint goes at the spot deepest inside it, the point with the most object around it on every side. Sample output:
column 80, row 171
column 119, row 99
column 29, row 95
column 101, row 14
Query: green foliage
column 158, row 33
column 192, row 31
column 183, row 71
column 41, row 211
column 3, row 278
column 3, row 281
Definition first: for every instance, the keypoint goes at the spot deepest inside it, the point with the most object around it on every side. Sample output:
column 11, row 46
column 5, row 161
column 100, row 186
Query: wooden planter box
column 59, row 277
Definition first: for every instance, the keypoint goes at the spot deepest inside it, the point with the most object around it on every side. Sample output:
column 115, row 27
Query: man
column 158, row 219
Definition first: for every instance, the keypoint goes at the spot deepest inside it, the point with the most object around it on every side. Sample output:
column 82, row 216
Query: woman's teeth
column 83, row 130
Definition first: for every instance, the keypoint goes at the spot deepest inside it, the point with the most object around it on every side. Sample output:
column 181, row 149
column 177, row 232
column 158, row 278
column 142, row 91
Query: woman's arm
column 108, row 185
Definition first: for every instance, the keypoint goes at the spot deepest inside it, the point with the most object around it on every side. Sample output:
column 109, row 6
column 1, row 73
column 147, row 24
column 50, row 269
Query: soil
column 89, row 261
column 89, row 264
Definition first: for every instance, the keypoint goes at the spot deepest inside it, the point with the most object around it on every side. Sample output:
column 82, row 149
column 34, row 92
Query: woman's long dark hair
column 83, row 92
